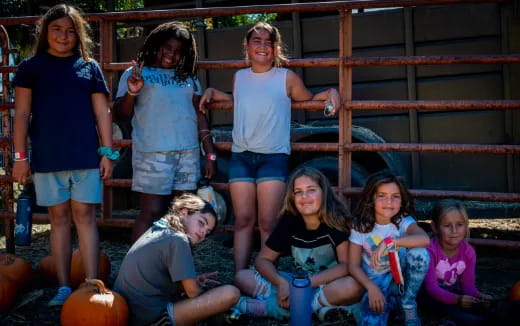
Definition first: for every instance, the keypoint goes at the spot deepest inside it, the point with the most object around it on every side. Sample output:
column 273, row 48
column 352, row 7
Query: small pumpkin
column 17, row 269
column 514, row 292
column 7, row 293
column 94, row 304
column 47, row 269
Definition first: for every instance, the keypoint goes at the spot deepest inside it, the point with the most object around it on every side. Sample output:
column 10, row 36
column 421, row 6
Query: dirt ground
column 497, row 269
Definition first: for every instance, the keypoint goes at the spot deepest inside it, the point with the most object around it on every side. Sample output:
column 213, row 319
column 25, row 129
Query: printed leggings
column 414, row 265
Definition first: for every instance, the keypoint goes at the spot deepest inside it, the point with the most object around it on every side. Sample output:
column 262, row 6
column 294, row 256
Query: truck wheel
column 328, row 165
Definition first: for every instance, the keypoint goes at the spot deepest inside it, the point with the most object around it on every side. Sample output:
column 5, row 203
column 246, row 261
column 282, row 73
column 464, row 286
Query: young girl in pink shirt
column 450, row 281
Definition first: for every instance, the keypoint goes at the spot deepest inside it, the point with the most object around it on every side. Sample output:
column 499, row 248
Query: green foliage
column 241, row 20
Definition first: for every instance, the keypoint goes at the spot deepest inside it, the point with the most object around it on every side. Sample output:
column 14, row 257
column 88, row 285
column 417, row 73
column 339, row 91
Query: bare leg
column 243, row 196
column 343, row 291
column 245, row 281
column 152, row 207
column 270, row 201
column 59, row 216
column 214, row 301
column 84, row 216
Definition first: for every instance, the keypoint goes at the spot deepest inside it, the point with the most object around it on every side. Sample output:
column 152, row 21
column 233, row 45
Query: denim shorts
column 160, row 173
column 257, row 167
column 53, row 188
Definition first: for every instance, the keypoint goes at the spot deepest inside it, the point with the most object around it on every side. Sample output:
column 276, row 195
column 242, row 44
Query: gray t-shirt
column 164, row 117
column 151, row 272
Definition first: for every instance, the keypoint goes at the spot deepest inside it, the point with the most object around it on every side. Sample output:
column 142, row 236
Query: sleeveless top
column 262, row 112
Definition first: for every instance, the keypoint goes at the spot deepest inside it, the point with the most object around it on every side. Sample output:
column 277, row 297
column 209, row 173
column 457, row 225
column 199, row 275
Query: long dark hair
column 84, row 44
column 365, row 218
column 188, row 65
column 333, row 211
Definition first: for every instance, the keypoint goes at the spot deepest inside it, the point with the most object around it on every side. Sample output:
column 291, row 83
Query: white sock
column 319, row 300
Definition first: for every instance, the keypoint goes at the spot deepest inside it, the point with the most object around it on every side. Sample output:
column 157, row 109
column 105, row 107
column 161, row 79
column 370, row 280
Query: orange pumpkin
column 514, row 293
column 94, row 304
column 7, row 293
column 17, row 269
column 47, row 269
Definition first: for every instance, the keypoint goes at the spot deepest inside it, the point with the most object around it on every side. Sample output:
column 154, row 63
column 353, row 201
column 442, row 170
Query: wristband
column 389, row 243
column 22, row 156
column 108, row 152
column 131, row 93
column 211, row 157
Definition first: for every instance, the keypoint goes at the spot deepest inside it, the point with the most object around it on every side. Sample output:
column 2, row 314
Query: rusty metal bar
column 442, row 148
column 434, row 105
column 470, row 195
column 8, row 69
column 345, row 91
column 353, row 61
column 398, row 105
column 502, row 244
column 433, row 60
column 239, row 10
column 449, row 105
column 319, row 147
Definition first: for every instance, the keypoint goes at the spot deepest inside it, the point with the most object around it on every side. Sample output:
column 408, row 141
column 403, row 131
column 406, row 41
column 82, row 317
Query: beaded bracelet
column 108, row 152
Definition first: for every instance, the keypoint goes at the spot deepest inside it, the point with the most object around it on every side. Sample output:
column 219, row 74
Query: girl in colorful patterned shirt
column 383, row 224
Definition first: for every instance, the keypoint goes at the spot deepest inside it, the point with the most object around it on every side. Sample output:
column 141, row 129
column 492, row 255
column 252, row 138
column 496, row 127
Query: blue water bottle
column 301, row 299
column 23, row 228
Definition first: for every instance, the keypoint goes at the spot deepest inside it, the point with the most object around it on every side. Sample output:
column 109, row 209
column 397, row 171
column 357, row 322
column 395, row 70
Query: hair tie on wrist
column 108, row 152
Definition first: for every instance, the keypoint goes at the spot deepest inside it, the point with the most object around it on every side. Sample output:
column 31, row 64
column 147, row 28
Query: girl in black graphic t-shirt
column 314, row 226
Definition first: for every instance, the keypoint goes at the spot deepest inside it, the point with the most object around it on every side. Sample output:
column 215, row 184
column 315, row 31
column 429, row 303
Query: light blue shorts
column 160, row 173
column 54, row 188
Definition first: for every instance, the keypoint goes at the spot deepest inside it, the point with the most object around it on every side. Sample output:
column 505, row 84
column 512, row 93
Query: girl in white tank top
column 262, row 97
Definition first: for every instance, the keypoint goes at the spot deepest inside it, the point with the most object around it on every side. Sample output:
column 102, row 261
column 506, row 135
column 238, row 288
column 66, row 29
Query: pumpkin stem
column 98, row 284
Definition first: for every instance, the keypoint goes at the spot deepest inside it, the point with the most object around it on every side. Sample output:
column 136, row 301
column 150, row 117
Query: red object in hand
column 393, row 257
column 395, row 267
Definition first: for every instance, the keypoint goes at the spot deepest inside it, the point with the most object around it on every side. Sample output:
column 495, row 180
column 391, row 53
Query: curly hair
column 275, row 38
column 84, row 44
column 188, row 65
column 190, row 202
column 365, row 217
column 333, row 212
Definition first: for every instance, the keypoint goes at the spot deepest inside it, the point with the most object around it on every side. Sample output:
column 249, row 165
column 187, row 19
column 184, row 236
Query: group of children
column 64, row 92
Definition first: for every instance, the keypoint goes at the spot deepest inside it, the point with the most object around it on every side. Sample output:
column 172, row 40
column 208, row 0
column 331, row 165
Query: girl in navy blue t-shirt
column 61, row 103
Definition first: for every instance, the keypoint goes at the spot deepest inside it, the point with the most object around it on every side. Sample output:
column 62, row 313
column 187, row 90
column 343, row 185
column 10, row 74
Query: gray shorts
column 160, row 173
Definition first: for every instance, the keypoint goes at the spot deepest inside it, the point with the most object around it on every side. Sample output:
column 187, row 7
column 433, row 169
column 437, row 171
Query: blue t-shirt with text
column 62, row 129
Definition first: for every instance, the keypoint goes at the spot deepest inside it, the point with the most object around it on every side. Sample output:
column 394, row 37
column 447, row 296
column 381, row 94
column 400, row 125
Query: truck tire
column 328, row 165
